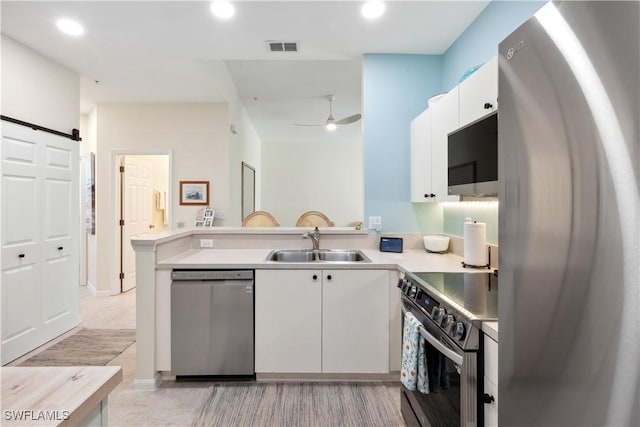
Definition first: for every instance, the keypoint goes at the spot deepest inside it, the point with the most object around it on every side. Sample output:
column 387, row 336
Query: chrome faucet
column 315, row 238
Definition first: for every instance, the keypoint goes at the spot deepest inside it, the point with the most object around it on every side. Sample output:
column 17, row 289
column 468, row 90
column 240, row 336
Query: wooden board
column 60, row 396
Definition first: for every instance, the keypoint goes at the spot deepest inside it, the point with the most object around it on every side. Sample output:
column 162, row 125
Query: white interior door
column 60, row 229
column 137, row 202
column 20, row 296
column 40, row 219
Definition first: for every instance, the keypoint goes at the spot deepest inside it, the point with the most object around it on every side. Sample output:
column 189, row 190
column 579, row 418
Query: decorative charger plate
column 314, row 219
column 260, row 219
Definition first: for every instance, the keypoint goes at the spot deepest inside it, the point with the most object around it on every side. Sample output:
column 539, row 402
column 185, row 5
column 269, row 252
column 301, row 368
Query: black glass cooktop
column 476, row 292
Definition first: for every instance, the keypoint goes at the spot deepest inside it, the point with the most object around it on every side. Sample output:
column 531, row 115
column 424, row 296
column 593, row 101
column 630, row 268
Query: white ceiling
column 162, row 51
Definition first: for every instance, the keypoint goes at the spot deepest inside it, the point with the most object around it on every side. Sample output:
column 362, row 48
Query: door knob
column 151, row 226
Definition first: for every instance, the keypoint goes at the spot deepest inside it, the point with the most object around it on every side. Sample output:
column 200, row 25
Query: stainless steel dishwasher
column 212, row 326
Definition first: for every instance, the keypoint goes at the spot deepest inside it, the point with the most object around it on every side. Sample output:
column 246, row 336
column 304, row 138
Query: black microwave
column 473, row 159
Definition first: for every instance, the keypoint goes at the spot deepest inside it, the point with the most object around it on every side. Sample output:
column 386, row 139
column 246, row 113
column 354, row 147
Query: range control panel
column 447, row 318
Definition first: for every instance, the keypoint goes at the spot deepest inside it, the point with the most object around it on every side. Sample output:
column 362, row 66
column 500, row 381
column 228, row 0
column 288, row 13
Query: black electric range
column 457, row 303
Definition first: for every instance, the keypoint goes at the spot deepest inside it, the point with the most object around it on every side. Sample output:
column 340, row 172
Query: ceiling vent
column 280, row 46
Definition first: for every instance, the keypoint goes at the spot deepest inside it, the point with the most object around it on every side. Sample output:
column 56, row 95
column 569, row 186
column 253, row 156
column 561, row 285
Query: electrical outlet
column 375, row 223
column 219, row 215
column 206, row 243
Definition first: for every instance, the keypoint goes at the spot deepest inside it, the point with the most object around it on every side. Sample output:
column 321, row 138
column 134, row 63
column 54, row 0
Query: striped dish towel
column 414, row 365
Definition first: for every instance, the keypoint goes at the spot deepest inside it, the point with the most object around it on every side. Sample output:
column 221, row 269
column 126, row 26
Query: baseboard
column 147, row 384
column 95, row 292
column 321, row 377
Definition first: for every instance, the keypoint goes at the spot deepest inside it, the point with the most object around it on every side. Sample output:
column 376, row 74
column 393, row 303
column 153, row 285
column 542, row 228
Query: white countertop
column 409, row 260
column 491, row 329
column 150, row 238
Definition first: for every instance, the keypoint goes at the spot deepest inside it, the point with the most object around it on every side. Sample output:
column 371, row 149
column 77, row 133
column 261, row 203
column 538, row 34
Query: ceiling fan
column 331, row 123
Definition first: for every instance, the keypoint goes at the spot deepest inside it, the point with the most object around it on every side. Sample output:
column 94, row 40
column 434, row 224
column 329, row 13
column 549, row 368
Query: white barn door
column 40, row 214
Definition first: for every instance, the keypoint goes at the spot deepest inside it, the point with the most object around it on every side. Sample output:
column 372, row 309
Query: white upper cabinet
column 472, row 99
column 421, row 158
column 478, row 94
column 429, row 149
column 444, row 120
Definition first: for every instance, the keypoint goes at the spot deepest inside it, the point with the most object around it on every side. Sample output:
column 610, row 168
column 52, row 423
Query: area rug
column 298, row 404
column 87, row 347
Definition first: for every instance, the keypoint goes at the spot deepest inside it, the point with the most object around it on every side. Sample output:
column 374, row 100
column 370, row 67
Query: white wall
column 197, row 134
column 244, row 146
column 299, row 177
column 37, row 90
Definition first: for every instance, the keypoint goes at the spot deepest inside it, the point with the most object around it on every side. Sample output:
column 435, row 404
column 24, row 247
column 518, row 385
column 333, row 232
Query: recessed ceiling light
column 70, row 27
column 372, row 9
column 222, row 9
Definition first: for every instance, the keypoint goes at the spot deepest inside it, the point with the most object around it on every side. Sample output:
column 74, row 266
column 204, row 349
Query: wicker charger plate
column 260, row 219
column 314, row 219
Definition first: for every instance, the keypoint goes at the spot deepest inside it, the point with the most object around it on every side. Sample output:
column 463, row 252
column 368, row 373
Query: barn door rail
column 74, row 135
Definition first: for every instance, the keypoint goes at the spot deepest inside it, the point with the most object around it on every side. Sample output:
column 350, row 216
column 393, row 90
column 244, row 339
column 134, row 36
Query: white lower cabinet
column 331, row 321
column 288, row 319
column 490, row 382
column 355, row 321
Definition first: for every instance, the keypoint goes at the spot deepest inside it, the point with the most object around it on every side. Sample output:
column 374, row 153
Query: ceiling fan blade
column 349, row 119
column 300, row 124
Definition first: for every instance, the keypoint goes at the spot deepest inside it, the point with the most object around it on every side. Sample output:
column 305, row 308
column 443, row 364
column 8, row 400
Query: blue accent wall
column 395, row 90
column 480, row 41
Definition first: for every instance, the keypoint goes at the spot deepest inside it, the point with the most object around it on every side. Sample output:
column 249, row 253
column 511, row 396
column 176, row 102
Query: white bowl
column 436, row 243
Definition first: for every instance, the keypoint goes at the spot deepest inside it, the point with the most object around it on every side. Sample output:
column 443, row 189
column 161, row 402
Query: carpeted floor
column 298, row 404
column 87, row 347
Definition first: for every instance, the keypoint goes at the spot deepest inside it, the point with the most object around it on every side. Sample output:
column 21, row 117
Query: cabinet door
column 421, row 158
column 60, row 229
column 490, row 381
column 491, row 407
column 355, row 321
column 288, row 317
column 479, row 93
column 445, row 120
column 21, row 193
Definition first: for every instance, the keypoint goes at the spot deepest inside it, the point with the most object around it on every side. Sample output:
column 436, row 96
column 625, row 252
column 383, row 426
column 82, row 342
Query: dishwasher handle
column 211, row 275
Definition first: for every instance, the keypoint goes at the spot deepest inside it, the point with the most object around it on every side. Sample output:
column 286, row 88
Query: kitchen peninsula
column 247, row 248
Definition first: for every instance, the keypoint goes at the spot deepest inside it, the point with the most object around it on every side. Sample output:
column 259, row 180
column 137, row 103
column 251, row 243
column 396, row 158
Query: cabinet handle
column 488, row 105
column 329, row 277
column 20, row 255
column 432, row 195
column 60, row 248
column 315, row 277
column 426, row 196
column 488, row 399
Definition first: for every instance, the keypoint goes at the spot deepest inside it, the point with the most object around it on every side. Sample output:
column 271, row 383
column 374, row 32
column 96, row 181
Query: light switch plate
column 206, row 243
column 375, row 223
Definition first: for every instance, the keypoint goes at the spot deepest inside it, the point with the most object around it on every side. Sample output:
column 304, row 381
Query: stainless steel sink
column 291, row 255
column 322, row 255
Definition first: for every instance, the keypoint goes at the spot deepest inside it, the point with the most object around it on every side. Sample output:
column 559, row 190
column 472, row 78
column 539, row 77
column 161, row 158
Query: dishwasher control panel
column 212, row 275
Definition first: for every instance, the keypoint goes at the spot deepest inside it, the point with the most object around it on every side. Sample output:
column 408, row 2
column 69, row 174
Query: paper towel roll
column 475, row 243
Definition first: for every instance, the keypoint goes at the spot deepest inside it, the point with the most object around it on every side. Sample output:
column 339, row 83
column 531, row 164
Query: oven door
column 452, row 372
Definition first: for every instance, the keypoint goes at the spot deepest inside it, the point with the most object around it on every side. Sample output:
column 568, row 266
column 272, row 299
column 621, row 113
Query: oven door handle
column 444, row 350
column 447, row 352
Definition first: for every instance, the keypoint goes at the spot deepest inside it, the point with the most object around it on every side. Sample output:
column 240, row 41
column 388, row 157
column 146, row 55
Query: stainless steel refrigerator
column 569, row 120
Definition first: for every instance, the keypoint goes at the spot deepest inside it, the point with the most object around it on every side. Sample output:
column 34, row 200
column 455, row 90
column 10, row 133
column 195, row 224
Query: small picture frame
column 205, row 217
column 194, row 193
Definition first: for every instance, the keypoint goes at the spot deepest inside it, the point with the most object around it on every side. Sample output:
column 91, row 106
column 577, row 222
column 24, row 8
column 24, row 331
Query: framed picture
column 248, row 189
column 194, row 193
